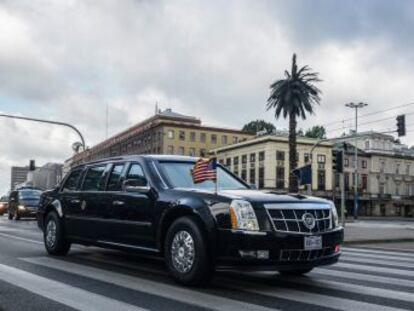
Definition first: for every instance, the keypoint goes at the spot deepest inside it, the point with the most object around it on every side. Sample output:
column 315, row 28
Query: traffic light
column 401, row 125
column 32, row 165
column 338, row 161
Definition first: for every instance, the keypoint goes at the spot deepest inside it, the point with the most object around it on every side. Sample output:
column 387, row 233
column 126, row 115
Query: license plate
column 313, row 242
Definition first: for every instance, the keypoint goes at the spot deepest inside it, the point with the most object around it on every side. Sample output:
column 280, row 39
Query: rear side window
column 72, row 182
column 94, row 179
column 136, row 173
column 114, row 178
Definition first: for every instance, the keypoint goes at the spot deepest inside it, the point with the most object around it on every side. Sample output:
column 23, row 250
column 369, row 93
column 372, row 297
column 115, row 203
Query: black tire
column 16, row 215
column 296, row 272
column 202, row 269
column 59, row 246
column 10, row 215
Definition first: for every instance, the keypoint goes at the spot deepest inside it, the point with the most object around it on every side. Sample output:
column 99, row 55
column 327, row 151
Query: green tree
column 259, row 125
column 317, row 131
column 292, row 97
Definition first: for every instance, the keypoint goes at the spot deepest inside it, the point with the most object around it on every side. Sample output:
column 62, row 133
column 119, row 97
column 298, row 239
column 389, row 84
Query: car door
column 93, row 202
column 70, row 201
column 131, row 211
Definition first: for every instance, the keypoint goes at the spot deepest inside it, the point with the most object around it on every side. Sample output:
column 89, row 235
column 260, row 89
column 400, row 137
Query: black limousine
column 149, row 203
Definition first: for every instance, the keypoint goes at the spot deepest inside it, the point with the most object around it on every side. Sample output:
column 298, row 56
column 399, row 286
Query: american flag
column 204, row 169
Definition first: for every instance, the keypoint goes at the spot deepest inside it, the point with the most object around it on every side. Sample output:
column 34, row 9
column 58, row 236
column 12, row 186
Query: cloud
column 68, row 60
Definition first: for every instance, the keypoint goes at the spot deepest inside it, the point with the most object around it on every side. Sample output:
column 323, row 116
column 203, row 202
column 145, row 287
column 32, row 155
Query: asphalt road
column 96, row 279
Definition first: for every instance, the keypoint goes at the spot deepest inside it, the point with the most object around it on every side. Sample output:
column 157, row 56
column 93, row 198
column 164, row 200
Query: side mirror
column 135, row 185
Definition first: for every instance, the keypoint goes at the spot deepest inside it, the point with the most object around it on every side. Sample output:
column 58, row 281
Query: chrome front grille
column 290, row 220
column 289, row 255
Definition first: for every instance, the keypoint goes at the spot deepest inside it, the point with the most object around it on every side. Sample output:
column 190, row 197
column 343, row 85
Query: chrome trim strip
column 164, row 185
column 115, row 221
column 155, row 250
column 248, row 232
column 297, row 206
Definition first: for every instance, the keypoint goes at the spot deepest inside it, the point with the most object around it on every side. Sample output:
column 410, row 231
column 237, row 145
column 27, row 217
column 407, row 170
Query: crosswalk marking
column 371, row 268
column 142, row 285
column 20, row 238
column 375, row 256
column 65, row 294
column 377, row 262
column 373, row 251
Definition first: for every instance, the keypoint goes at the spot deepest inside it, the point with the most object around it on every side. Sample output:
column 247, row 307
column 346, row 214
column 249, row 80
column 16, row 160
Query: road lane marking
column 371, row 251
column 177, row 293
column 62, row 293
column 360, row 267
column 375, row 256
column 310, row 298
column 364, row 277
column 378, row 262
column 20, row 238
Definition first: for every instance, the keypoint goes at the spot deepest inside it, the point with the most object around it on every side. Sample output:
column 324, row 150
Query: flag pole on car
column 205, row 169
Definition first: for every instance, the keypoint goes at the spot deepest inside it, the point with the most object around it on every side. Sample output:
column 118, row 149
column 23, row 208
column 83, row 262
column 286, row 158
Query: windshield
column 179, row 175
column 29, row 194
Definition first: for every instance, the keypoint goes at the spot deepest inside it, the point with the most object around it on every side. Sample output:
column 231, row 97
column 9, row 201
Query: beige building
column 264, row 162
column 167, row 132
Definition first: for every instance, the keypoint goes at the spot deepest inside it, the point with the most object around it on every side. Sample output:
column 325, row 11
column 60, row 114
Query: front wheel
column 10, row 215
column 186, row 252
column 54, row 238
column 296, row 272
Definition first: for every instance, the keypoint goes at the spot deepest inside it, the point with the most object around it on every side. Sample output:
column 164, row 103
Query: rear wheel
column 54, row 236
column 296, row 272
column 186, row 252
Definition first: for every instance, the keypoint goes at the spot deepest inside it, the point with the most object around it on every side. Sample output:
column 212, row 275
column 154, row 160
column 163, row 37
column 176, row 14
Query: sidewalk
column 379, row 231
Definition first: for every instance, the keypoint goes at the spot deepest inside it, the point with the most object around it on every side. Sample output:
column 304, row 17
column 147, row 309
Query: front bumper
column 285, row 250
column 27, row 212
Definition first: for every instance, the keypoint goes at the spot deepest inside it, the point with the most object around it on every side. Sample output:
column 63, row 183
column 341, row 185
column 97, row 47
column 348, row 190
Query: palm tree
column 294, row 96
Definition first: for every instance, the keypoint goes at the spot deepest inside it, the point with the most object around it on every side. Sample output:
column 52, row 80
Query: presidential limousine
column 150, row 203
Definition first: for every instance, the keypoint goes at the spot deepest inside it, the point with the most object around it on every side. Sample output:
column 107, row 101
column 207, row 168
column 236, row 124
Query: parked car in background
column 4, row 202
column 151, row 204
column 24, row 202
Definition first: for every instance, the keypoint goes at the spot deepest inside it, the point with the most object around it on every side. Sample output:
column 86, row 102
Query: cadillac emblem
column 309, row 220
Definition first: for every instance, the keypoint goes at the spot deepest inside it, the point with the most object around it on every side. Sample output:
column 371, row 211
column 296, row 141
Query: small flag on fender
column 204, row 169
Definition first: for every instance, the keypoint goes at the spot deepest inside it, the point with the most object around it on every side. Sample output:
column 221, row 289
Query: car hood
column 258, row 196
column 29, row 201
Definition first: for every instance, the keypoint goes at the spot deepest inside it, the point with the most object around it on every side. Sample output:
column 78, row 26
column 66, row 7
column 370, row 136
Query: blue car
column 24, row 203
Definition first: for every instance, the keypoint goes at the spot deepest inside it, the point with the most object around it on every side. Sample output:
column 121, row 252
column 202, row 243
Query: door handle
column 75, row 201
column 118, row 203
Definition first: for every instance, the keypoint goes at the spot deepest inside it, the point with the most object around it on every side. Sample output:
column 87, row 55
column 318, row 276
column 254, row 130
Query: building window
column 346, row 181
column 192, row 152
column 252, row 157
column 364, row 163
column 280, row 155
column 182, row 135
column 235, row 139
column 321, row 180
column 397, row 169
column 280, row 177
column 382, row 167
column 244, row 175
column 261, row 156
column 244, row 159
column 261, row 177
column 213, row 138
column 224, row 140
column 367, row 144
column 306, row 158
column 236, row 160
column 228, row 162
column 170, row 149
column 252, row 178
column 181, row 150
column 346, row 162
column 203, row 152
column 170, row 134
column 203, row 137
column 381, row 188
column 407, row 169
column 364, row 182
column 321, row 158
column 192, row 136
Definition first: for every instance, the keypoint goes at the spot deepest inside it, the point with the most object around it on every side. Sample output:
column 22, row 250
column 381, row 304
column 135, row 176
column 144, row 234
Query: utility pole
column 356, row 107
column 49, row 122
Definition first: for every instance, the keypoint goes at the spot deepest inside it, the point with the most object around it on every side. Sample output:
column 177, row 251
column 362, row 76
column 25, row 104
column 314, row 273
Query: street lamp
column 356, row 106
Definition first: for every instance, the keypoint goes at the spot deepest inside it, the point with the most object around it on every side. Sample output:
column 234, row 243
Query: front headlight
column 242, row 216
column 335, row 219
column 21, row 207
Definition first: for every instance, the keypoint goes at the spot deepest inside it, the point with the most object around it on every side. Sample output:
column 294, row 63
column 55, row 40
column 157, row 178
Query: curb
column 378, row 241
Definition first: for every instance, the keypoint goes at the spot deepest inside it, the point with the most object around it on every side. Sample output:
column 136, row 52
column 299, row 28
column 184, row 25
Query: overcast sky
column 67, row 60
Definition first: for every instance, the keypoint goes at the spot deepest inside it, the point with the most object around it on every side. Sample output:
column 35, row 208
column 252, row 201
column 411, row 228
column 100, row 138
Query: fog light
column 262, row 254
column 337, row 248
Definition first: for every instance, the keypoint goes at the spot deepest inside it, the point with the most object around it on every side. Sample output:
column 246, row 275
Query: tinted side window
column 72, row 181
column 114, row 178
column 94, row 179
column 135, row 172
